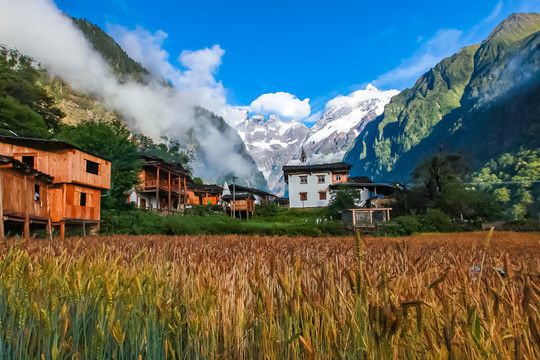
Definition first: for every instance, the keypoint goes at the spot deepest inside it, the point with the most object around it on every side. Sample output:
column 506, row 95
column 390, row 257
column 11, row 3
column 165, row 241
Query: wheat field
column 432, row 296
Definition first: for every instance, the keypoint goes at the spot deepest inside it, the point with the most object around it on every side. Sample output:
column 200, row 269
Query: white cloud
column 283, row 104
column 193, row 76
column 38, row 29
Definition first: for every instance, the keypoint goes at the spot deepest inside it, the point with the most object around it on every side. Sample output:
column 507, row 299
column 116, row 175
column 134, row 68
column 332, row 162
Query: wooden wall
column 67, row 203
column 18, row 195
column 64, row 165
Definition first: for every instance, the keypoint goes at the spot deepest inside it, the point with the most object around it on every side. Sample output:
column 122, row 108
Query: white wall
column 149, row 197
column 312, row 188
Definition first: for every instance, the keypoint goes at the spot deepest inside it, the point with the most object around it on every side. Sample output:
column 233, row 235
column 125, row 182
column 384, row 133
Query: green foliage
column 28, row 107
column 514, row 180
column 125, row 67
column 198, row 180
column 342, row 199
column 21, row 119
column 138, row 222
column 482, row 101
column 168, row 149
column 110, row 140
column 439, row 193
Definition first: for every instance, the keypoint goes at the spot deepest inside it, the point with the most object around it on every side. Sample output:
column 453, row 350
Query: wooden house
column 203, row 194
column 79, row 177
column 24, row 195
column 162, row 186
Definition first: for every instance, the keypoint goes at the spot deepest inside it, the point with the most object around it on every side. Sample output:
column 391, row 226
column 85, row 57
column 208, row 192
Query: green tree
column 342, row 199
column 20, row 119
column 19, row 79
column 111, row 140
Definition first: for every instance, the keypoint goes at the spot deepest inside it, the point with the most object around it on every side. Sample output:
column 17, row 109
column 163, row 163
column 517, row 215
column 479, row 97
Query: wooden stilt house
column 79, row 177
column 24, row 196
column 162, row 186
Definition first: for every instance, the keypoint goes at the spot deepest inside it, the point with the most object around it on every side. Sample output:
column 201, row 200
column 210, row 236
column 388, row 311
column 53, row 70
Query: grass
column 251, row 297
column 273, row 221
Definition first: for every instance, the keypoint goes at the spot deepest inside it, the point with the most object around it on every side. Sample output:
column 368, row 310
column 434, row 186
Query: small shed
column 243, row 204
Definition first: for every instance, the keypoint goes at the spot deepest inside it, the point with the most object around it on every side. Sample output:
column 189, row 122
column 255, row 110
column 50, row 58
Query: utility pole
column 234, row 194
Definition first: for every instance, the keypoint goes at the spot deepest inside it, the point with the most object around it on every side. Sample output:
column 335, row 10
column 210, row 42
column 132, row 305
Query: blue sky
column 312, row 50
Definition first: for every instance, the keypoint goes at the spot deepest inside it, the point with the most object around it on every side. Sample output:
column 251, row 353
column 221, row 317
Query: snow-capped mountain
column 273, row 143
column 344, row 118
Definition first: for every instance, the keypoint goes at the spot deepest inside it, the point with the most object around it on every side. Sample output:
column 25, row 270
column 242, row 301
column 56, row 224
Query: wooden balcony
column 151, row 185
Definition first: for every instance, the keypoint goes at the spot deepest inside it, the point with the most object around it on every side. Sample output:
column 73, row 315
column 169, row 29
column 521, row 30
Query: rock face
column 344, row 118
column 270, row 142
column 482, row 101
column 273, row 143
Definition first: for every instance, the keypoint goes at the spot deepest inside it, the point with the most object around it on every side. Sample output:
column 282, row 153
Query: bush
column 436, row 221
column 521, row 225
column 138, row 222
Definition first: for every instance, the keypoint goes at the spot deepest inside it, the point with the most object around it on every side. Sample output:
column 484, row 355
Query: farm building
column 24, row 196
column 79, row 177
column 162, row 186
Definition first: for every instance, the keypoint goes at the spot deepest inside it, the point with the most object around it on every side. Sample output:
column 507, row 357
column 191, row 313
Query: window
column 36, row 192
column 303, row 179
column 83, row 199
column 322, row 195
column 321, row 179
column 28, row 161
column 338, row 177
column 92, row 167
column 303, row 196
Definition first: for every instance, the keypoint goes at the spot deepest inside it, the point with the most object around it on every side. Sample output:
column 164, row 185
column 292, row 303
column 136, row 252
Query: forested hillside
column 482, row 102
column 36, row 104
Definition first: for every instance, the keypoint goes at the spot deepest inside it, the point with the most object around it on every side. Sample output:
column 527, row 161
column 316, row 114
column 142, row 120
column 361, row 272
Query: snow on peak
column 353, row 99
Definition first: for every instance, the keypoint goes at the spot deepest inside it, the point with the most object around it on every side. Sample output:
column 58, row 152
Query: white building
column 309, row 185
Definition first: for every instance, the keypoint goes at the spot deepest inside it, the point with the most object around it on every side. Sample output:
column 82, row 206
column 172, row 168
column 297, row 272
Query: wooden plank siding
column 18, row 195
column 66, row 165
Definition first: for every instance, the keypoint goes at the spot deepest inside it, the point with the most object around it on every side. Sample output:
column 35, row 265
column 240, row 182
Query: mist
column 37, row 28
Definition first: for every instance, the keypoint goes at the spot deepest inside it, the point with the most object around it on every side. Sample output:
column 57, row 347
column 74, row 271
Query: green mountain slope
column 482, row 101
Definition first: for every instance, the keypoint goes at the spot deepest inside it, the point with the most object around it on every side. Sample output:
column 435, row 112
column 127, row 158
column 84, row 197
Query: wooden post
column 62, row 230
column 84, row 228
column 371, row 217
column 49, row 225
column 388, row 214
column 353, row 218
column 169, row 206
column 179, row 193
column 157, row 190
column 26, row 209
column 185, row 194
column 2, row 233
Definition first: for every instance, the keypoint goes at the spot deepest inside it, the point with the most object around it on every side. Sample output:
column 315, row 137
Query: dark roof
column 238, row 196
column 170, row 166
column 211, row 188
column 25, row 169
column 250, row 190
column 44, row 144
column 359, row 179
column 338, row 166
